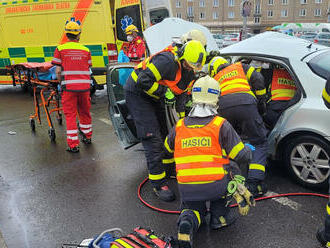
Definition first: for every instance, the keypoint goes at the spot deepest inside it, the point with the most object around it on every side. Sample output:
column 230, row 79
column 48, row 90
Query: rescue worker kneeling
column 169, row 70
column 202, row 144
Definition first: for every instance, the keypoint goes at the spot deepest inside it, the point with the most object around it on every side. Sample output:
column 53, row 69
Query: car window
column 324, row 36
column 320, row 65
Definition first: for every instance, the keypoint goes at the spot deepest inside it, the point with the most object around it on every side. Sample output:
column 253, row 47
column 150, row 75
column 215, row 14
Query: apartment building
column 225, row 15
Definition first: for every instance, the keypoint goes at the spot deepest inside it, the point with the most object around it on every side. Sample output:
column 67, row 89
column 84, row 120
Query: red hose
column 233, row 205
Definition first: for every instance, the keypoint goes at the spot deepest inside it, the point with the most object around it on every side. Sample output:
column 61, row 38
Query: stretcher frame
column 27, row 73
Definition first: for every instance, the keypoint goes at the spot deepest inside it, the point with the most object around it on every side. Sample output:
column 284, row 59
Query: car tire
column 307, row 159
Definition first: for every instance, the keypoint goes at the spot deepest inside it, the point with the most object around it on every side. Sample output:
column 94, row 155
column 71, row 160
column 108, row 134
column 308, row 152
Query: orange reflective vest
column 198, row 154
column 232, row 79
column 282, row 87
column 171, row 84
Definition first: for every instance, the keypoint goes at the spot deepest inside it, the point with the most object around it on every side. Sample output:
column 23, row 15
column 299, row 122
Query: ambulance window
column 126, row 16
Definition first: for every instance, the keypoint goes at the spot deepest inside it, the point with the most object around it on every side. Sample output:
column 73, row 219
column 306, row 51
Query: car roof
column 273, row 44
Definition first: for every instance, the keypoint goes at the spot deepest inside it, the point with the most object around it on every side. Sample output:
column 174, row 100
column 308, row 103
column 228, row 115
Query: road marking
column 106, row 121
column 285, row 201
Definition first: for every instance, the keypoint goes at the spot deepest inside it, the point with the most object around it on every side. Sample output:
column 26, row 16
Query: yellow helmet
column 216, row 64
column 72, row 27
column 193, row 53
column 130, row 29
column 194, row 34
column 206, row 90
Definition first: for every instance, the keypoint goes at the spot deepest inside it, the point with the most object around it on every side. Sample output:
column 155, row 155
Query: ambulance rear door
column 127, row 12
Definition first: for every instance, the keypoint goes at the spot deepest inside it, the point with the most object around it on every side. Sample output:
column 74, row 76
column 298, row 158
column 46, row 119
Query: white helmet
column 194, row 34
column 206, row 90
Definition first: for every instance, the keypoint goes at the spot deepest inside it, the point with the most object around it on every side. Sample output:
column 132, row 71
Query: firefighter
column 323, row 234
column 170, row 70
column 136, row 48
column 73, row 62
column 203, row 145
column 282, row 90
column 241, row 86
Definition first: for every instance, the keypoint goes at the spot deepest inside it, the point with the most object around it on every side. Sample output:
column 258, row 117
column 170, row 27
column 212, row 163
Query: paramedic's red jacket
column 136, row 49
column 75, row 60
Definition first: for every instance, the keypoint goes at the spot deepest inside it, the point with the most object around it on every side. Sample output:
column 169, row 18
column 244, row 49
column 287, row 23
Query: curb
column 2, row 241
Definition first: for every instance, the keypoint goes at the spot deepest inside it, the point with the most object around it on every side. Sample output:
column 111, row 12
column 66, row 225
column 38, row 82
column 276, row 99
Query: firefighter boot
column 185, row 233
column 320, row 235
column 256, row 187
column 224, row 220
column 86, row 141
column 164, row 193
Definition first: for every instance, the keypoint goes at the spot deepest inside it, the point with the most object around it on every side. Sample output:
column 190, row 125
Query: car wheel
column 308, row 160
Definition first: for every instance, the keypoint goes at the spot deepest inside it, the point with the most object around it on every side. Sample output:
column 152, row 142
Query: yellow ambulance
column 30, row 30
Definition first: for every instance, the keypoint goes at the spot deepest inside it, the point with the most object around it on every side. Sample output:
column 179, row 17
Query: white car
column 301, row 137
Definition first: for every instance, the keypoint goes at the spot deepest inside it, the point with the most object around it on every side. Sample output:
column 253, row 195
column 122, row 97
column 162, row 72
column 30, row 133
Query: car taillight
column 112, row 52
column 315, row 41
column 234, row 39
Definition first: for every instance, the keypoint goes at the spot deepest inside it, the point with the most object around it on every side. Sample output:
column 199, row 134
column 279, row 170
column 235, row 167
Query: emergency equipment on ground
column 45, row 90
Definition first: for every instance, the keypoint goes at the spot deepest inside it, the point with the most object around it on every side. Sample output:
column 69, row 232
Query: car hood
column 162, row 34
column 273, row 44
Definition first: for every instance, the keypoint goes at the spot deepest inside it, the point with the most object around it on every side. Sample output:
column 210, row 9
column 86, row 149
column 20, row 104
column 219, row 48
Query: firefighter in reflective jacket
column 241, row 87
column 282, row 90
column 73, row 62
column 202, row 144
column 169, row 70
column 323, row 234
column 136, row 48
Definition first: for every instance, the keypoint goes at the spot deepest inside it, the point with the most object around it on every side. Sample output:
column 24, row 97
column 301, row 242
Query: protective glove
column 169, row 97
column 262, row 106
column 211, row 55
column 241, row 194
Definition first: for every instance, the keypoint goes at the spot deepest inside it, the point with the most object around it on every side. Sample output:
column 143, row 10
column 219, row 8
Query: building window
column 215, row 15
column 284, row 13
column 215, row 3
column 284, row 2
column 231, row 14
column 270, row 2
column 317, row 12
column 178, row 15
column 318, row 1
column 257, row 8
column 231, row 3
column 270, row 13
column 190, row 0
column 257, row 20
column 303, row 1
column 202, row 15
column 201, row 3
column 302, row 12
column 178, row 4
column 190, row 11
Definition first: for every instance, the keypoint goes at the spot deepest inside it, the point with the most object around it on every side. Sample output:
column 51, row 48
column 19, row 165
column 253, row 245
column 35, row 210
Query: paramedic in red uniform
column 136, row 48
column 73, row 62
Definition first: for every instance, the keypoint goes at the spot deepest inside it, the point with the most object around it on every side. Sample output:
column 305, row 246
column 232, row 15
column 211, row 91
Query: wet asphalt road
column 49, row 197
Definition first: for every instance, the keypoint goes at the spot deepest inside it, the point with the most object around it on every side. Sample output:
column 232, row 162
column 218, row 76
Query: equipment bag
column 141, row 238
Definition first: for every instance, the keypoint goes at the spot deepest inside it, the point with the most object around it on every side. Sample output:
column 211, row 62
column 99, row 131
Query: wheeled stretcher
column 45, row 89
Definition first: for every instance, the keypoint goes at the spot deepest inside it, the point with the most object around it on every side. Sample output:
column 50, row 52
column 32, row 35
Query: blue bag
column 104, row 242
column 123, row 73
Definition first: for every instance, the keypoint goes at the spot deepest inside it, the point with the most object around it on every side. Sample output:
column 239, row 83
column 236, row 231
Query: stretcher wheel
column 32, row 125
column 60, row 121
column 52, row 135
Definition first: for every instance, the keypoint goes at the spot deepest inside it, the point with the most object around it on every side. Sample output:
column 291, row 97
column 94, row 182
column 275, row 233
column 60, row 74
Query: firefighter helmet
column 194, row 34
column 206, row 90
column 193, row 53
column 217, row 64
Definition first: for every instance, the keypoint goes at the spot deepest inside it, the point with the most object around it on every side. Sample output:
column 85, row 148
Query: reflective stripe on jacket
column 283, row 86
column 75, row 61
column 171, row 84
column 198, row 154
column 232, row 79
column 326, row 94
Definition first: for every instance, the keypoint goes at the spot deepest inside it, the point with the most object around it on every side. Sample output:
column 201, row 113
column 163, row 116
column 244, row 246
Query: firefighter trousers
column 273, row 112
column 247, row 121
column 149, row 119
column 73, row 103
